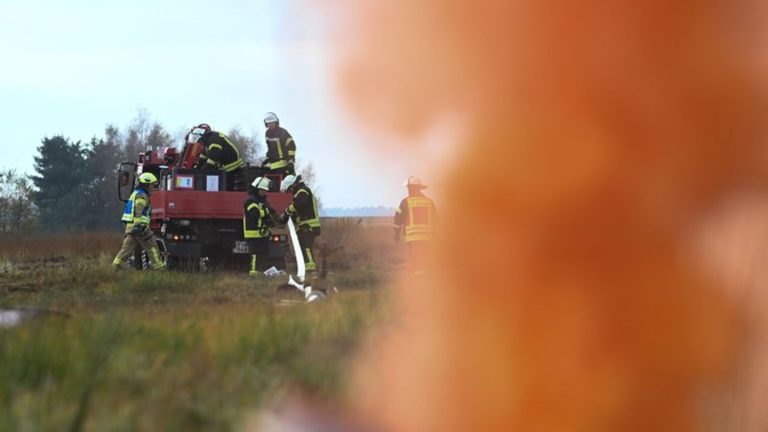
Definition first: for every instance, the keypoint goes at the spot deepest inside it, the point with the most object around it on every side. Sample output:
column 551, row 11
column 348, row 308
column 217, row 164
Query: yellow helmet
column 147, row 179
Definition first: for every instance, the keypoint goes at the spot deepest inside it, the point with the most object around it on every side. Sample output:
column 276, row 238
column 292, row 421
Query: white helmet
column 197, row 132
column 270, row 117
column 261, row 183
column 288, row 181
column 414, row 181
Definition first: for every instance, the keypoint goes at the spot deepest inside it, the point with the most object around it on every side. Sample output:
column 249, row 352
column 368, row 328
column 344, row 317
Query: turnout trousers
column 147, row 242
column 259, row 249
column 307, row 244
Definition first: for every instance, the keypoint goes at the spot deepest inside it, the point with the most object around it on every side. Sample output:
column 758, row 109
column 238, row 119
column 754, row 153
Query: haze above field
column 73, row 67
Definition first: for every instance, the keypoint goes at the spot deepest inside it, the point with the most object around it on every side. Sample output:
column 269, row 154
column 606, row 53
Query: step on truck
column 197, row 214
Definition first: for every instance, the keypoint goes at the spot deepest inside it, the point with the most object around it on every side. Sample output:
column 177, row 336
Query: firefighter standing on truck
column 281, row 149
column 304, row 212
column 136, row 216
column 415, row 222
column 257, row 220
column 219, row 152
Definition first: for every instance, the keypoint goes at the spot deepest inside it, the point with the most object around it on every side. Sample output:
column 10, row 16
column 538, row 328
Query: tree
column 158, row 138
column 135, row 140
column 142, row 135
column 102, row 160
column 17, row 210
column 60, row 181
column 248, row 146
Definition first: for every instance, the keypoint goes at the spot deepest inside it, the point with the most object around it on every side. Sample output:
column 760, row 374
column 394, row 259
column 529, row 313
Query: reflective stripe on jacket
column 255, row 219
column 220, row 152
column 281, row 149
column 417, row 214
column 138, row 208
column 304, row 209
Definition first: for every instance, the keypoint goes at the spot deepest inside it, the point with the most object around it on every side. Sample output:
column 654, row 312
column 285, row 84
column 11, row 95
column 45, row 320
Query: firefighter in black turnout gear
column 219, row 153
column 281, row 149
column 305, row 216
column 258, row 217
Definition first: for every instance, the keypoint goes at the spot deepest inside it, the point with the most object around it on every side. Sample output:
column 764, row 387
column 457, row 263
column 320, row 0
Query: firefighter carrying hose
column 304, row 212
column 281, row 149
column 415, row 221
column 136, row 216
column 258, row 217
column 219, row 152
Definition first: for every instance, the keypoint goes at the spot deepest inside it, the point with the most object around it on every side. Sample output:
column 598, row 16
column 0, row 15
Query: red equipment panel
column 181, row 204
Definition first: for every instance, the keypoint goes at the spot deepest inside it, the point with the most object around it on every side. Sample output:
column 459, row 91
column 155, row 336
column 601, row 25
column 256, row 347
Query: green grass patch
column 169, row 350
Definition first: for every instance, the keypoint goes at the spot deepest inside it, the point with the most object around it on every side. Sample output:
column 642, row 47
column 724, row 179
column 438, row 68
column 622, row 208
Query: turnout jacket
column 417, row 215
column 281, row 149
column 257, row 217
column 219, row 152
column 137, row 210
column 303, row 209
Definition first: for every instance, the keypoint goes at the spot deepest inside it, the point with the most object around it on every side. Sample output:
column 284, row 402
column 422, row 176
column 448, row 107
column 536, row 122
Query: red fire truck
column 197, row 215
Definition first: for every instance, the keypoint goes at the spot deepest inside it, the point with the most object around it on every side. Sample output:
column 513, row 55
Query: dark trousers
column 307, row 243
column 259, row 249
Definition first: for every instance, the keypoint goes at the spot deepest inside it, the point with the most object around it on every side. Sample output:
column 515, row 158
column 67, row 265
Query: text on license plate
column 241, row 247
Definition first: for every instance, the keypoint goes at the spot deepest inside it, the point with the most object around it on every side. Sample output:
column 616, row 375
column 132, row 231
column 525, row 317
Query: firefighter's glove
column 284, row 218
column 138, row 229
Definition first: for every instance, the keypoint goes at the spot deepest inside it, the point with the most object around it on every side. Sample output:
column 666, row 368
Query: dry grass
column 48, row 246
column 171, row 350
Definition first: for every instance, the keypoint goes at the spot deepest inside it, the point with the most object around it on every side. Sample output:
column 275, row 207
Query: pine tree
column 61, row 181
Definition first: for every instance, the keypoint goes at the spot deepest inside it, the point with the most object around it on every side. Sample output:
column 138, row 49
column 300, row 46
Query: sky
column 71, row 68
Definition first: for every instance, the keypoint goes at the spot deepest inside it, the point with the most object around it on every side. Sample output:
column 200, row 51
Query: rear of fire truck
column 198, row 223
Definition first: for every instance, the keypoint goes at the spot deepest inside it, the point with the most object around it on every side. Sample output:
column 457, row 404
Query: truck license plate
column 241, row 247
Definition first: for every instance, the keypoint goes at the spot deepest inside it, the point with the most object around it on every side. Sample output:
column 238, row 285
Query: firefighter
column 281, row 149
column 218, row 152
column 415, row 221
column 304, row 212
column 257, row 220
column 136, row 216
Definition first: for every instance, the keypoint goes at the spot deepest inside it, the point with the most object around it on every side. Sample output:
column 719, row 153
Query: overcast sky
column 72, row 67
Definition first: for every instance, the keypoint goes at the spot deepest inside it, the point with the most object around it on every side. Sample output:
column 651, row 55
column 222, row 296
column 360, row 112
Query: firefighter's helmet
column 261, row 183
column 287, row 182
column 415, row 182
column 270, row 117
column 147, row 179
column 197, row 132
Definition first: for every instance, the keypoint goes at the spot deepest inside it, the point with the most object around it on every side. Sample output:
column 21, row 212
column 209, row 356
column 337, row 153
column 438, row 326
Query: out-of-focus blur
column 590, row 273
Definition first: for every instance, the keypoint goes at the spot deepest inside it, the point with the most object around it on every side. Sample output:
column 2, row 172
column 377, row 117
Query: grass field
column 175, row 351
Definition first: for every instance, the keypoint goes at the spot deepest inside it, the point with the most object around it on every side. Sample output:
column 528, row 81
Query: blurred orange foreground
column 600, row 134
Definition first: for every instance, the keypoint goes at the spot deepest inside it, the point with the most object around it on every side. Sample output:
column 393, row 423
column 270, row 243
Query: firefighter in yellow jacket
column 136, row 216
column 258, row 217
column 415, row 221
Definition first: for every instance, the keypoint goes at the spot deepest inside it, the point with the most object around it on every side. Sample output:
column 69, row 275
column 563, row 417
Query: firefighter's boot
column 155, row 260
column 117, row 265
